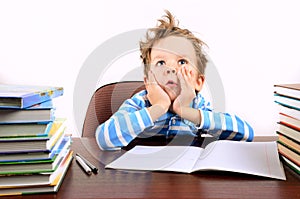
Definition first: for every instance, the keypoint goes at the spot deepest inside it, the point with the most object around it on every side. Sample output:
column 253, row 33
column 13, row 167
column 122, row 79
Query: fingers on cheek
column 184, row 72
column 188, row 72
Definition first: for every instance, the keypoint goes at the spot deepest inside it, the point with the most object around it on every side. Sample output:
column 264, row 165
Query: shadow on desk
column 108, row 156
column 172, row 140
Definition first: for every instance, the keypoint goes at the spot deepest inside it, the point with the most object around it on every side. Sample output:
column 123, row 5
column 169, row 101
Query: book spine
column 288, row 126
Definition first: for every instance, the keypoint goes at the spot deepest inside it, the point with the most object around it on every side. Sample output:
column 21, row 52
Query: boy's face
column 168, row 56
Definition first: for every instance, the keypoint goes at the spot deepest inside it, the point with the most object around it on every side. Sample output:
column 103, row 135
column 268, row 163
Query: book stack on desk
column 287, row 96
column 34, row 148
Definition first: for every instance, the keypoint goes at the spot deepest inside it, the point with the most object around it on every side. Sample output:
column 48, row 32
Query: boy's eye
column 160, row 63
column 182, row 62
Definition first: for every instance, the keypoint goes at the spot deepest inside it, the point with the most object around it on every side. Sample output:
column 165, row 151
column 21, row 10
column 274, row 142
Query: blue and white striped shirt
column 133, row 119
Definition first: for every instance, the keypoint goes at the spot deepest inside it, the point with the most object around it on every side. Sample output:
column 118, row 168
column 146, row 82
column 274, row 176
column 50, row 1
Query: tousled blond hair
column 169, row 27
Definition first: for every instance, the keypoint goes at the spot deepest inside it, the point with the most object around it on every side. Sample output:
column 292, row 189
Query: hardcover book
column 42, row 113
column 289, row 90
column 32, row 156
column 25, row 129
column 36, row 166
column 21, row 96
column 289, row 154
column 53, row 187
column 11, row 182
column 291, row 164
column 256, row 158
column 288, row 132
column 34, row 144
column 289, row 111
column 293, row 145
column 10, row 116
column 289, row 121
column 288, row 101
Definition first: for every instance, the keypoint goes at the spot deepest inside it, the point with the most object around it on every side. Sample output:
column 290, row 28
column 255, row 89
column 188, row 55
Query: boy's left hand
column 187, row 93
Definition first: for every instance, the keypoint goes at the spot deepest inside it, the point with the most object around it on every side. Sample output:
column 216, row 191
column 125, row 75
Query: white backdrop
column 254, row 45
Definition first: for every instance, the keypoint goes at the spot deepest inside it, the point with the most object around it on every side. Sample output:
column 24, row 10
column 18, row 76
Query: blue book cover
column 23, row 96
column 43, row 105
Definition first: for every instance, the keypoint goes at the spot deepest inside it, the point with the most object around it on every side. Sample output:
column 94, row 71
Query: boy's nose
column 170, row 71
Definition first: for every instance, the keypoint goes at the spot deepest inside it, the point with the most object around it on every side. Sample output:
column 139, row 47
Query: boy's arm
column 226, row 126
column 127, row 123
column 223, row 125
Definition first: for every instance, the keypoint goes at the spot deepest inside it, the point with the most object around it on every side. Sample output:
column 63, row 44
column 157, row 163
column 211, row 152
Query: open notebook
column 256, row 158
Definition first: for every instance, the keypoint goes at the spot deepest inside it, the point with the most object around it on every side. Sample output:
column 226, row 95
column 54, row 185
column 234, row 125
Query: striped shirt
column 133, row 119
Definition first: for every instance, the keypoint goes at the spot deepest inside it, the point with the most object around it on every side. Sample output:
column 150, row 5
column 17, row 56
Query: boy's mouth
column 171, row 83
column 172, row 88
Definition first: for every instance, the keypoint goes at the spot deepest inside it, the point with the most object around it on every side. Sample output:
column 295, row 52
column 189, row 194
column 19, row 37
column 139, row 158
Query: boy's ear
column 199, row 83
column 145, row 79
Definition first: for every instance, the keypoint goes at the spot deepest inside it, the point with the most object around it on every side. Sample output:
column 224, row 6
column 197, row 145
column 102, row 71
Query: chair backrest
column 105, row 101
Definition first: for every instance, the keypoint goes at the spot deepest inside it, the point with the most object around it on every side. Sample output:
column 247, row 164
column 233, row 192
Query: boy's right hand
column 156, row 94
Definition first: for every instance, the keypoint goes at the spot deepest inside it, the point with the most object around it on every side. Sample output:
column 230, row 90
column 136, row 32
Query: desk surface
column 110, row 183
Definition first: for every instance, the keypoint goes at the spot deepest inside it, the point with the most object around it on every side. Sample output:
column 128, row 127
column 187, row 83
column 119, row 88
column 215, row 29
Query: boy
column 174, row 66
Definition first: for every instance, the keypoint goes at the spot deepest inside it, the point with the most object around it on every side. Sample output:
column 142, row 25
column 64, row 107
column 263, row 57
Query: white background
column 254, row 45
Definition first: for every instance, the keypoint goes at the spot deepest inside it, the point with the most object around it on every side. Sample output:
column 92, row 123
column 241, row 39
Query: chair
column 105, row 101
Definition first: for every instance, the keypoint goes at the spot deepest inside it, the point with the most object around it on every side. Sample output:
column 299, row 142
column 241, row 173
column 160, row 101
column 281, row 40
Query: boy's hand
column 156, row 94
column 187, row 93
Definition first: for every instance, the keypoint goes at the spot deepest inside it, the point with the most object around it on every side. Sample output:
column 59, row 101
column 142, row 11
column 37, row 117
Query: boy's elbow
column 250, row 135
column 101, row 141
column 247, row 134
column 98, row 135
column 243, row 134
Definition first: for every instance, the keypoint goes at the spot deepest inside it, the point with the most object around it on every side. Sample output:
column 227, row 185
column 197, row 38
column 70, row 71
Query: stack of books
column 34, row 148
column 287, row 96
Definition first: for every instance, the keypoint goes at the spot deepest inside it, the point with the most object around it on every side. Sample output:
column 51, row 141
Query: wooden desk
column 121, row 184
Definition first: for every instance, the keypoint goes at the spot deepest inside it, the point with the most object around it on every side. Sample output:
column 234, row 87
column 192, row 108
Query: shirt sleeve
column 225, row 126
column 123, row 126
